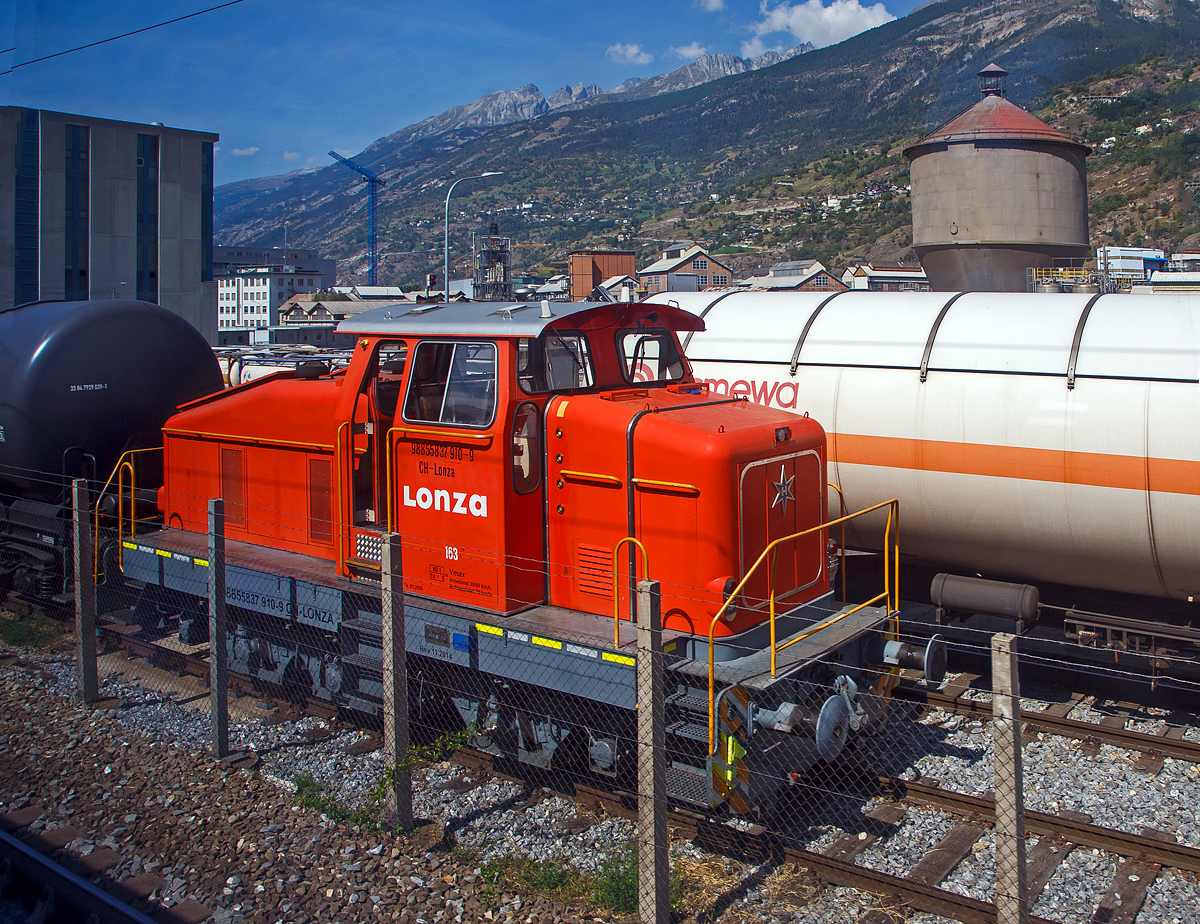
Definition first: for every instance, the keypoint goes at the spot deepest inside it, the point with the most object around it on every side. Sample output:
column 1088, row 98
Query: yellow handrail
column 387, row 477
column 842, row 546
column 893, row 511
column 121, row 463
column 616, row 594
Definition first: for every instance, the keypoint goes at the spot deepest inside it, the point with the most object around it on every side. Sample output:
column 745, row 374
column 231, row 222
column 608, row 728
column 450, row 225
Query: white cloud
column 291, row 155
column 244, row 152
column 628, row 54
column 690, row 52
column 711, row 6
column 822, row 25
column 755, row 47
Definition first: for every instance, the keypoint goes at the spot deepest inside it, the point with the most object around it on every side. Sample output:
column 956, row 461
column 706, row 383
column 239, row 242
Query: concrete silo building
column 994, row 192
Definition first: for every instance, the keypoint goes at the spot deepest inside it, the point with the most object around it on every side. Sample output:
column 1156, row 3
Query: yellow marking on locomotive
column 490, row 630
column 202, row 562
column 129, row 545
column 618, row 659
column 546, row 642
column 163, row 552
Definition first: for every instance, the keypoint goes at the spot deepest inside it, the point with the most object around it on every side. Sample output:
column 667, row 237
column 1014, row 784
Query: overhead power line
column 105, row 41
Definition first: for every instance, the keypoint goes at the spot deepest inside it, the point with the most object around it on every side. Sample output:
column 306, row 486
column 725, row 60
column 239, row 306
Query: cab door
column 374, row 412
column 450, row 472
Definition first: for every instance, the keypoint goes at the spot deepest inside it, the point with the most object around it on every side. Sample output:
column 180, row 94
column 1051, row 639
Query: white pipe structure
column 1035, row 437
column 446, row 227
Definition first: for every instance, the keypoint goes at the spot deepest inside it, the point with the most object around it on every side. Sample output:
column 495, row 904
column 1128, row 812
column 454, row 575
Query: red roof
column 997, row 118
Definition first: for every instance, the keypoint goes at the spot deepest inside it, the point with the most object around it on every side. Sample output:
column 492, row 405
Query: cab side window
column 453, row 383
column 390, row 378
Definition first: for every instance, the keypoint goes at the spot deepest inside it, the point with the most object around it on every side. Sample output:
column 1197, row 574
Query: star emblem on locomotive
column 783, row 490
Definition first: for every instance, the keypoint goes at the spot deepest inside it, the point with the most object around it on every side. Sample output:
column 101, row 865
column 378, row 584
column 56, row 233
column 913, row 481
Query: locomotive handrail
column 387, row 475
column 116, row 473
column 842, row 545
column 891, row 593
column 616, row 593
column 341, row 527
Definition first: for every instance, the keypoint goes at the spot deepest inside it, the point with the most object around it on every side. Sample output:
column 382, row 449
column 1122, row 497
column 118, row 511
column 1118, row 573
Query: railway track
column 1111, row 730
column 1141, row 855
column 63, row 894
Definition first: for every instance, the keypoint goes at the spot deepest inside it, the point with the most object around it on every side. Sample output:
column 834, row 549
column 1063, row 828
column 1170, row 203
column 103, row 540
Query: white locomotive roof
column 1152, row 337
column 483, row 319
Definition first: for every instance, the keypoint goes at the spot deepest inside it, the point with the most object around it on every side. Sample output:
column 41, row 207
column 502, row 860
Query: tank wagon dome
column 83, row 381
column 996, row 191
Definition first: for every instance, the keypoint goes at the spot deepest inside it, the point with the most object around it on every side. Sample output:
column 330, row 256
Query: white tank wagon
column 1037, row 437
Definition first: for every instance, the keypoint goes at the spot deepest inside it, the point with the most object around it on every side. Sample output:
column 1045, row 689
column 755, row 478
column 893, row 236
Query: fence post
column 85, row 595
column 395, row 683
column 218, row 652
column 654, row 862
column 1012, row 899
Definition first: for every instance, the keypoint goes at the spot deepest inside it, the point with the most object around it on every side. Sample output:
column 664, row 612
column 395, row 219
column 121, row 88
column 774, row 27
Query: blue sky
column 285, row 82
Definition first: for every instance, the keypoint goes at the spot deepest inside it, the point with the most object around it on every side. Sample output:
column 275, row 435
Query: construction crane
column 373, row 182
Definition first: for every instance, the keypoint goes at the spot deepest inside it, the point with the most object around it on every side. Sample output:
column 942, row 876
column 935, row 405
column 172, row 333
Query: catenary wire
column 105, row 41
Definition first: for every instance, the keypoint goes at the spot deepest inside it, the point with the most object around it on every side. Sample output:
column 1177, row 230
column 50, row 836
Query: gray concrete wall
column 112, row 213
column 970, row 195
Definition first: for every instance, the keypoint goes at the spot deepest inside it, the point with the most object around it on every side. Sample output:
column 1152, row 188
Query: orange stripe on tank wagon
column 1098, row 469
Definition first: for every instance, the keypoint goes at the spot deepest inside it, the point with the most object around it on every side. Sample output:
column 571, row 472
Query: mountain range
column 585, row 166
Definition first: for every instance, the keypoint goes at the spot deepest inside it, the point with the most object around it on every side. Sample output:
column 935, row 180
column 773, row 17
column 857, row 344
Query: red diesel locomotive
column 535, row 463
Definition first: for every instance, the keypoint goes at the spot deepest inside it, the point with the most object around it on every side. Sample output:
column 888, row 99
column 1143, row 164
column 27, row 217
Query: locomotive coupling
column 930, row 658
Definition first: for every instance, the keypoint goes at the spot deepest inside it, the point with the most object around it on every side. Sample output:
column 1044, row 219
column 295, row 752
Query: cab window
column 390, row 376
column 452, row 383
column 649, row 355
column 554, row 362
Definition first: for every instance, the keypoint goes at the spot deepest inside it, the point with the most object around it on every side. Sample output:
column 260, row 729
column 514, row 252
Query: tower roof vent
column 993, row 81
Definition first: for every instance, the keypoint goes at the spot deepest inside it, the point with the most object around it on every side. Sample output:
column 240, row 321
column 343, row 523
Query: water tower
column 994, row 192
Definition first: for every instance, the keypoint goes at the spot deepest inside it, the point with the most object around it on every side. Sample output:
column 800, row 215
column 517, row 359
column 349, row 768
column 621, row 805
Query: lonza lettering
column 449, row 501
column 780, row 394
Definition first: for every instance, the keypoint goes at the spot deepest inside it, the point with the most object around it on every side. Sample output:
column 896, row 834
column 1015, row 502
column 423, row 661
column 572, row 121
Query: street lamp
column 117, row 286
column 446, row 238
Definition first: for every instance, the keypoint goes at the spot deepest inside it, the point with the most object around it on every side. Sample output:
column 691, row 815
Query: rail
column 616, row 592
column 890, row 596
column 118, row 472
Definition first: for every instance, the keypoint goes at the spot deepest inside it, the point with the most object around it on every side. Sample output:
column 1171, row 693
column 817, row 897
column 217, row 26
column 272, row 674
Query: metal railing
column 616, row 592
column 124, row 463
column 890, row 596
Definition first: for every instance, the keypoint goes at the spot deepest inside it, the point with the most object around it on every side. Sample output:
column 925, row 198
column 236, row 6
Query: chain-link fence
column 844, row 759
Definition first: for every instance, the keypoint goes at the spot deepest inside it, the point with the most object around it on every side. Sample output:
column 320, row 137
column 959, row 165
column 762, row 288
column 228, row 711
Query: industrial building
column 591, row 268
column 996, row 192
column 227, row 260
column 796, row 276
column 106, row 209
column 679, row 260
column 887, row 277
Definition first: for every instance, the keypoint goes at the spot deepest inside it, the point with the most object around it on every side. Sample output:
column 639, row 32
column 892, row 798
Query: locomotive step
column 689, row 730
column 693, row 702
